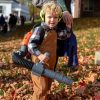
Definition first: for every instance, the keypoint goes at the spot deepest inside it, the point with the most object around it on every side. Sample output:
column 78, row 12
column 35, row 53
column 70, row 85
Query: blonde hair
column 51, row 7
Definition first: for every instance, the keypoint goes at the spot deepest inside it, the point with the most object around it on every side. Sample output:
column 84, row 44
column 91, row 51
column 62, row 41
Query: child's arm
column 34, row 42
column 67, row 17
column 33, row 46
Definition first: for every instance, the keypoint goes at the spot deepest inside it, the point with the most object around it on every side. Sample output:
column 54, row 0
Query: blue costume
column 68, row 47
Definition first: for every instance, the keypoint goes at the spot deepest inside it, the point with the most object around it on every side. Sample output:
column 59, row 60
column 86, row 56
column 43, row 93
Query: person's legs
column 73, row 59
column 41, row 85
column 70, row 50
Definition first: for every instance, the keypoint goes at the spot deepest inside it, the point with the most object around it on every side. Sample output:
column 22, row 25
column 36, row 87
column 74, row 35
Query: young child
column 65, row 5
column 44, row 48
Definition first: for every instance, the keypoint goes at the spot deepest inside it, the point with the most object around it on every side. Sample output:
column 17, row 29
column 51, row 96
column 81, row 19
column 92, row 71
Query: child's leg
column 40, row 86
column 70, row 47
column 72, row 51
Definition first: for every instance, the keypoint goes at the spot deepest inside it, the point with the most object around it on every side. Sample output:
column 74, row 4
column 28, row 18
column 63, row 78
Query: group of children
column 55, row 40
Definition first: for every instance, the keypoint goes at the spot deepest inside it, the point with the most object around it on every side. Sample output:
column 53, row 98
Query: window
column 1, row 9
column 88, row 5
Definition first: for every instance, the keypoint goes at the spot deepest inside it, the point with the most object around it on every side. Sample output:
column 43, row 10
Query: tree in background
column 34, row 12
column 31, row 10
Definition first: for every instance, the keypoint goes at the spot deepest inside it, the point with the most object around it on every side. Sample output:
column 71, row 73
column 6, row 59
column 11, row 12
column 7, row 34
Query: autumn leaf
column 16, row 83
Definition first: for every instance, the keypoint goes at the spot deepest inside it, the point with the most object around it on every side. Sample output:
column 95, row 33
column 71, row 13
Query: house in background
column 90, row 8
column 12, row 6
column 85, row 8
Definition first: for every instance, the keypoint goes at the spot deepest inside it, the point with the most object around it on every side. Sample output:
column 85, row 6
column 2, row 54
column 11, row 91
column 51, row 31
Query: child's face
column 51, row 19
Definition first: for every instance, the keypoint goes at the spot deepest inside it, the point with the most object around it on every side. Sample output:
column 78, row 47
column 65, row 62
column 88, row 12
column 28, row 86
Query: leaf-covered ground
column 16, row 84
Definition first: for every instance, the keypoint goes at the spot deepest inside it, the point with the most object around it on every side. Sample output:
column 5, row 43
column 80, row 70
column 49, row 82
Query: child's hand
column 67, row 17
column 43, row 58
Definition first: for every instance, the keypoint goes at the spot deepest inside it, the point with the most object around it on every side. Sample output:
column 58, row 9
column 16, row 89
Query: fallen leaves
column 16, row 84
